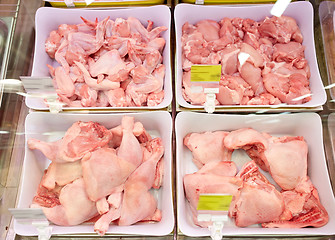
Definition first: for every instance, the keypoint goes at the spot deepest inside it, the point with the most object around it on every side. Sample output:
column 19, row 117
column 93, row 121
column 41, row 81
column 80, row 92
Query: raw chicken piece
column 210, row 181
column 284, row 157
column 286, row 160
column 88, row 42
column 103, row 170
column 245, row 138
column 304, row 209
column 137, row 28
column 110, row 64
column 257, row 201
column 46, row 197
column 207, row 147
column 63, row 82
column 130, row 149
column 138, row 203
column 101, row 226
column 121, row 27
column 52, row 43
column 88, row 96
column 149, row 83
column 116, row 97
column 78, row 140
column 61, row 174
column 75, row 207
column 155, row 98
column 103, row 85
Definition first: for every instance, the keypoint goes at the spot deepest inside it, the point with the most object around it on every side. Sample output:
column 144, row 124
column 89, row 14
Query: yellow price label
column 205, row 73
column 214, row 202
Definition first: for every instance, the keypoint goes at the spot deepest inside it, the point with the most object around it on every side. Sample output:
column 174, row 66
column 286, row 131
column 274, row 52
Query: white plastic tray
column 48, row 19
column 50, row 127
column 301, row 11
column 307, row 125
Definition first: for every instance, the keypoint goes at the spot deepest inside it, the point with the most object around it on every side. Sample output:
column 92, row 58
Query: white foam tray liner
column 51, row 127
column 307, row 125
column 48, row 19
column 301, row 11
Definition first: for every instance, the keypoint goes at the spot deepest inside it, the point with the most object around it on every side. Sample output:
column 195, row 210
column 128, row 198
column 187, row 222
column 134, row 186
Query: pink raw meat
column 257, row 201
column 78, row 140
column 207, row 147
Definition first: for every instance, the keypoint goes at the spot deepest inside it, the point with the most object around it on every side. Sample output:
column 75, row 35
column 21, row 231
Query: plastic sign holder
column 34, row 217
column 214, row 208
column 279, row 7
column 42, row 87
column 208, row 76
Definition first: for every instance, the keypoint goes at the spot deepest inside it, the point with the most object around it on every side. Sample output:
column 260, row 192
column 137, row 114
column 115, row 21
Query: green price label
column 214, row 202
column 205, row 73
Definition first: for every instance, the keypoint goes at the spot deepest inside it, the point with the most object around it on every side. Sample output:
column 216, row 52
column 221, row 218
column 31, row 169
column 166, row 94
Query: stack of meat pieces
column 262, row 62
column 108, row 63
column 101, row 175
column 294, row 204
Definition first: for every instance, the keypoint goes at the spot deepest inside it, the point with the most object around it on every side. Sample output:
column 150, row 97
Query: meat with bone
column 78, row 140
column 105, row 172
column 207, row 147
column 105, row 52
column 244, row 48
column 293, row 204
column 213, row 177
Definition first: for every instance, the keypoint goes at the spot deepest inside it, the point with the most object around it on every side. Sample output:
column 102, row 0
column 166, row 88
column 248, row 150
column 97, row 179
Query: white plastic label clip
column 218, row 222
column 210, row 99
column 279, row 7
column 69, row 3
column 34, row 217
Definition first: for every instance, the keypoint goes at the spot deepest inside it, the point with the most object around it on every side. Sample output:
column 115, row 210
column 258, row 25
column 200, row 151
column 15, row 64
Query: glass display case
column 17, row 47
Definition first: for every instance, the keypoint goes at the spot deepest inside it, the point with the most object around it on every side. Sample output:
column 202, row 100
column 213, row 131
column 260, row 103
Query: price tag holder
column 42, row 87
column 206, row 78
column 34, row 217
column 214, row 208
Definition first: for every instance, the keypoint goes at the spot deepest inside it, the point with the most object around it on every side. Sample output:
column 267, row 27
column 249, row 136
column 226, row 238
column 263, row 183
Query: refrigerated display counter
column 17, row 23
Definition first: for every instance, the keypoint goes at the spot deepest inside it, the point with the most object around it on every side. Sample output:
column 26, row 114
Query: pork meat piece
column 293, row 89
column 79, row 139
column 253, row 76
column 282, row 29
column 233, row 90
column 138, row 203
column 288, row 52
column 207, row 147
column 209, row 29
column 229, row 60
column 257, row 201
